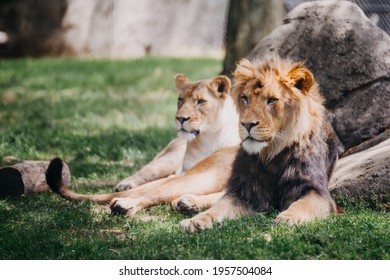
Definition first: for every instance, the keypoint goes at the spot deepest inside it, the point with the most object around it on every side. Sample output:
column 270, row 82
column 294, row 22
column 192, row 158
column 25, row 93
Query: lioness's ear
column 181, row 80
column 221, row 85
column 244, row 70
column 301, row 78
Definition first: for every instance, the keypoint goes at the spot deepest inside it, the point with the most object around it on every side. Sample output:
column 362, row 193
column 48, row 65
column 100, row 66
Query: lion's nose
column 182, row 119
column 249, row 126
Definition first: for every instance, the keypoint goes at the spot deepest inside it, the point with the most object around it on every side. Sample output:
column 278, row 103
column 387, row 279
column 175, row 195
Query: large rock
column 364, row 174
column 350, row 58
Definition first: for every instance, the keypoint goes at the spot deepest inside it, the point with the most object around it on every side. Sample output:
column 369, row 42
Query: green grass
column 108, row 118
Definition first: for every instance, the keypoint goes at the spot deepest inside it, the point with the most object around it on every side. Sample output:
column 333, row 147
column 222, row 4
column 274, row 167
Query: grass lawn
column 108, row 118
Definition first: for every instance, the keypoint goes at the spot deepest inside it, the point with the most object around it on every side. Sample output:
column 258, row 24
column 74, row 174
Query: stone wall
column 128, row 28
column 112, row 28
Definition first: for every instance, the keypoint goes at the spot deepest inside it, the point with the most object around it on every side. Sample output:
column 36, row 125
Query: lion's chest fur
column 195, row 153
column 262, row 186
column 199, row 149
column 221, row 133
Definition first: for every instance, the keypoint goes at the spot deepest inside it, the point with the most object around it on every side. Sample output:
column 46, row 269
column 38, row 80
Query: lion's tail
column 56, row 184
column 54, row 175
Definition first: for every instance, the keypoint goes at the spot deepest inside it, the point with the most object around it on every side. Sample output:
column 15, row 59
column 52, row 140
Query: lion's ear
column 221, row 85
column 181, row 80
column 301, row 78
column 244, row 70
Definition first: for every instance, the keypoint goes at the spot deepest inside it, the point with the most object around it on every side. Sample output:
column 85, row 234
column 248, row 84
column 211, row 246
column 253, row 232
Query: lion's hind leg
column 206, row 177
column 310, row 207
column 195, row 203
column 168, row 162
column 146, row 195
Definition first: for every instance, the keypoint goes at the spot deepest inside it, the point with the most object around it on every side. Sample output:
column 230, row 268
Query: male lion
column 288, row 149
column 206, row 121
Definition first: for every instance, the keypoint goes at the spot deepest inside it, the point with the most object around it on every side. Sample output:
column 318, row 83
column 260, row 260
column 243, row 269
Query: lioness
column 206, row 121
column 288, row 149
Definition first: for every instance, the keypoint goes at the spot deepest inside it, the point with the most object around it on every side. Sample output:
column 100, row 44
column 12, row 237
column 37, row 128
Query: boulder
column 364, row 175
column 350, row 59
column 369, row 143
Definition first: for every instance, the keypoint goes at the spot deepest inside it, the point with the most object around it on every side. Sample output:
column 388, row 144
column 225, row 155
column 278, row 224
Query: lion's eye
column 245, row 99
column 179, row 101
column 201, row 102
column 271, row 100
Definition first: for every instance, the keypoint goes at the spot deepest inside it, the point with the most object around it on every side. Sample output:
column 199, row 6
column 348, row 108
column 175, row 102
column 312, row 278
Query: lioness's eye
column 180, row 101
column 245, row 99
column 201, row 101
column 271, row 100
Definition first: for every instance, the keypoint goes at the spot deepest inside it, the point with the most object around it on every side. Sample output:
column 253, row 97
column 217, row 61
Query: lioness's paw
column 125, row 185
column 186, row 203
column 291, row 218
column 124, row 206
column 196, row 224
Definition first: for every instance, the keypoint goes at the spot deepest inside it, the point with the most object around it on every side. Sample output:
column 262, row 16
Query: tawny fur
column 288, row 149
column 281, row 112
column 206, row 121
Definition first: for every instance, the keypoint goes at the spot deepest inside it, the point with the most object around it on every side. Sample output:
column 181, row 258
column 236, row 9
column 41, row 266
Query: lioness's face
column 268, row 98
column 199, row 104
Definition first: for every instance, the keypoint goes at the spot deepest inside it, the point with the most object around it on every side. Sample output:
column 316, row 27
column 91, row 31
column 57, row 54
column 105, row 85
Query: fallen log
column 27, row 177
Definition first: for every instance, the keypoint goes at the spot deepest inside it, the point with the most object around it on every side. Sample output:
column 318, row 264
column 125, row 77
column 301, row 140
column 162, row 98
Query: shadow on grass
column 47, row 227
column 116, row 153
column 103, row 153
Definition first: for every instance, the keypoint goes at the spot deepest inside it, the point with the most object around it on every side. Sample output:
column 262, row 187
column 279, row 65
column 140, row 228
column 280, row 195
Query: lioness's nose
column 249, row 126
column 182, row 120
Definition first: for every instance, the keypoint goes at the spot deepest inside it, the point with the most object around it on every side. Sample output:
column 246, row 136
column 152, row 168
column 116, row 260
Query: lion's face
column 199, row 104
column 275, row 103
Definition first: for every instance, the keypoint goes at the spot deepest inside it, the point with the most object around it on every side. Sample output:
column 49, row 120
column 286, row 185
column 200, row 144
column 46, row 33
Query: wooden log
column 27, row 177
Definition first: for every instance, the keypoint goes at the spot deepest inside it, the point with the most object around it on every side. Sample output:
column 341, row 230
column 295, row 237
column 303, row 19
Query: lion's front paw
column 125, row 185
column 290, row 218
column 186, row 203
column 124, row 206
column 198, row 223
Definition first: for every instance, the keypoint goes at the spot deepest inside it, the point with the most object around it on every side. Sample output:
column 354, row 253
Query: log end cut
column 11, row 183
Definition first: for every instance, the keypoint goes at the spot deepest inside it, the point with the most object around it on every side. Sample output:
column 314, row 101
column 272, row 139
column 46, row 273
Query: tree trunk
column 248, row 22
column 33, row 28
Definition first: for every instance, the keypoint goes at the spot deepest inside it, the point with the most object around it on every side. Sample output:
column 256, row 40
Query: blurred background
column 132, row 28
column 115, row 28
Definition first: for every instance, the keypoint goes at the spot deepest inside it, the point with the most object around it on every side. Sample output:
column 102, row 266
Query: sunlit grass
column 91, row 112
column 107, row 119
